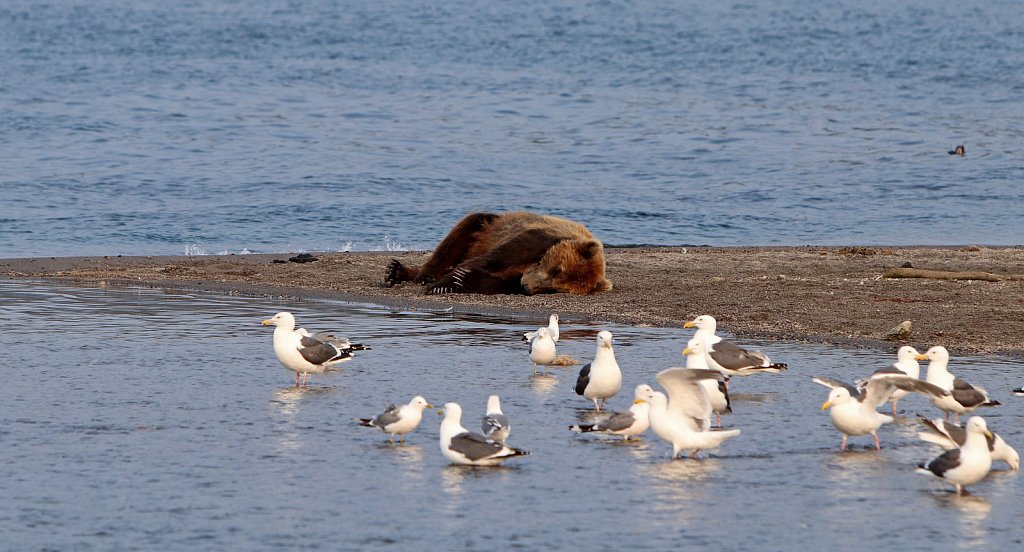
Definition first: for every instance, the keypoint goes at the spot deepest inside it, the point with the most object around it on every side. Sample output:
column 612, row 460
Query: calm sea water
column 265, row 126
column 157, row 420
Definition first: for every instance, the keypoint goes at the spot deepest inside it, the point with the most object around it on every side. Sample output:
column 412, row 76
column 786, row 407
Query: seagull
column 542, row 349
column 726, row 356
column 855, row 411
column 600, row 379
column 718, row 392
column 460, row 446
column 627, row 424
column 963, row 397
column 552, row 328
column 965, row 465
column 1019, row 391
column 683, row 419
column 906, row 362
column 495, row 424
column 305, row 354
column 398, row 420
column 950, row 436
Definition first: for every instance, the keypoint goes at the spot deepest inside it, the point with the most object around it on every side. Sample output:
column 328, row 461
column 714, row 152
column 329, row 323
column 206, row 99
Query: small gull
column 495, row 424
column 727, row 357
column 683, row 419
column 398, row 420
column 906, row 362
column 950, row 436
column 542, row 349
column 460, row 446
column 303, row 353
column 963, row 397
column 967, row 464
column 600, row 379
column 552, row 328
column 627, row 424
column 855, row 411
column 718, row 392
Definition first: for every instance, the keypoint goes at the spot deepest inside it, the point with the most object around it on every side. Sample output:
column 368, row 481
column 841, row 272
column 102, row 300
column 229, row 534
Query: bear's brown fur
column 517, row 252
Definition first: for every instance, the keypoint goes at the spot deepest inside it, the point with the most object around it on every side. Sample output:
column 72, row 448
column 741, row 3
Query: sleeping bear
column 517, row 252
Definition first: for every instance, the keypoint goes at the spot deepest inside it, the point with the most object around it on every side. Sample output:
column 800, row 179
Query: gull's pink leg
column 878, row 445
column 843, row 446
column 296, row 379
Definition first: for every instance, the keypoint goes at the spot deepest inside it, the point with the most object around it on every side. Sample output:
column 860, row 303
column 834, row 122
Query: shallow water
column 160, row 420
column 238, row 125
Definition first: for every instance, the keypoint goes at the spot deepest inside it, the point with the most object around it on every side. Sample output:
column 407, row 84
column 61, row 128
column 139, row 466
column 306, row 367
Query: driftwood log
column 950, row 275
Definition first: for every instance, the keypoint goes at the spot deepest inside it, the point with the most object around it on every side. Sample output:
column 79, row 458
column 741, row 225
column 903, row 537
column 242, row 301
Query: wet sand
column 815, row 294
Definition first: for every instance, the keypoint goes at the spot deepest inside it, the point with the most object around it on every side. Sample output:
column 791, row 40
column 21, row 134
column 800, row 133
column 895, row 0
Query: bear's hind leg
column 452, row 250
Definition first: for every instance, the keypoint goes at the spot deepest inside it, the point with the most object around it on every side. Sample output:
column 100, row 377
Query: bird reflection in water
column 543, row 384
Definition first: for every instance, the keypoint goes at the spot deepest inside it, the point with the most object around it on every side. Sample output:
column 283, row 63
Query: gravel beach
column 817, row 294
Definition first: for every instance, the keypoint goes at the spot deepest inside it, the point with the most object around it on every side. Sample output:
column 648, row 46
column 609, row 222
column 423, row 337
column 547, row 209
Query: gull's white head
column 542, row 334
column 839, row 395
column 642, row 392
column 1009, row 454
column 694, row 347
column 493, row 404
column 977, row 425
column 281, row 320
column 937, row 354
column 453, row 412
column 703, row 322
column 420, row 403
column 906, row 354
column 604, row 339
column 553, row 319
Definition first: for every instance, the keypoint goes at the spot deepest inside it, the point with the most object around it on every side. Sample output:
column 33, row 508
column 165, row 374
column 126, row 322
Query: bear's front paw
column 455, row 282
column 394, row 273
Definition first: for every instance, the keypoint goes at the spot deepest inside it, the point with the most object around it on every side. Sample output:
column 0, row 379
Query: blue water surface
column 153, row 127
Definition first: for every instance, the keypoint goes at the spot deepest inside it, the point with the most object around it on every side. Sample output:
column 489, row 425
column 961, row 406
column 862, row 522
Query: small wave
column 193, row 249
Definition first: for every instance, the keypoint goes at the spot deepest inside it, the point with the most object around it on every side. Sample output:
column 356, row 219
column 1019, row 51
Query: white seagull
column 855, row 411
column 965, row 465
column 304, row 354
column 398, row 420
column 495, row 424
column 552, row 329
column 460, row 446
column 906, row 362
column 542, row 349
column 600, row 379
column 718, row 392
column 726, row 356
column 627, row 424
column 683, row 419
column 963, row 397
column 950, row 436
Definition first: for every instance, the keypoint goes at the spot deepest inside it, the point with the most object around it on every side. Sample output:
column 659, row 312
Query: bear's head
column 572, row 266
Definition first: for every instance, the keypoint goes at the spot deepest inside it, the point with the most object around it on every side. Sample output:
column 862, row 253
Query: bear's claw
column 394, row 273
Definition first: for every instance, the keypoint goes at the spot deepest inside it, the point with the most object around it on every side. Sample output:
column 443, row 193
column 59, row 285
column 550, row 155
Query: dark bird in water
column 958, row 151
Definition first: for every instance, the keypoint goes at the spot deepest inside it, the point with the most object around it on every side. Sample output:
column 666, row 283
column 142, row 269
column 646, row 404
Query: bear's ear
column 589, row 249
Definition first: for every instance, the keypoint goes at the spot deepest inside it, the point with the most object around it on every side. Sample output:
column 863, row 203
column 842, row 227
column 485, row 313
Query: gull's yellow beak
column 429, row 406
column 827, row 405
column 687, row 351
column 921, row 356
column 440, row 412
column 638, row 401
column 690, row 324
column 988, row 434
column 267, row 322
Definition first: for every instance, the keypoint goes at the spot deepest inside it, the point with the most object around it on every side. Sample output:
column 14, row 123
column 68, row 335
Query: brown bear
column 517, row 252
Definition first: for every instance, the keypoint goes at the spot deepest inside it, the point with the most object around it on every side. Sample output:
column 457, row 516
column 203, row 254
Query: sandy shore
column 817, row 294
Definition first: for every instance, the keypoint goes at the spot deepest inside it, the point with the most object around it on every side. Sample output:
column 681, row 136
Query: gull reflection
column 974, row 511
column 543, row 384
column 678, row 487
